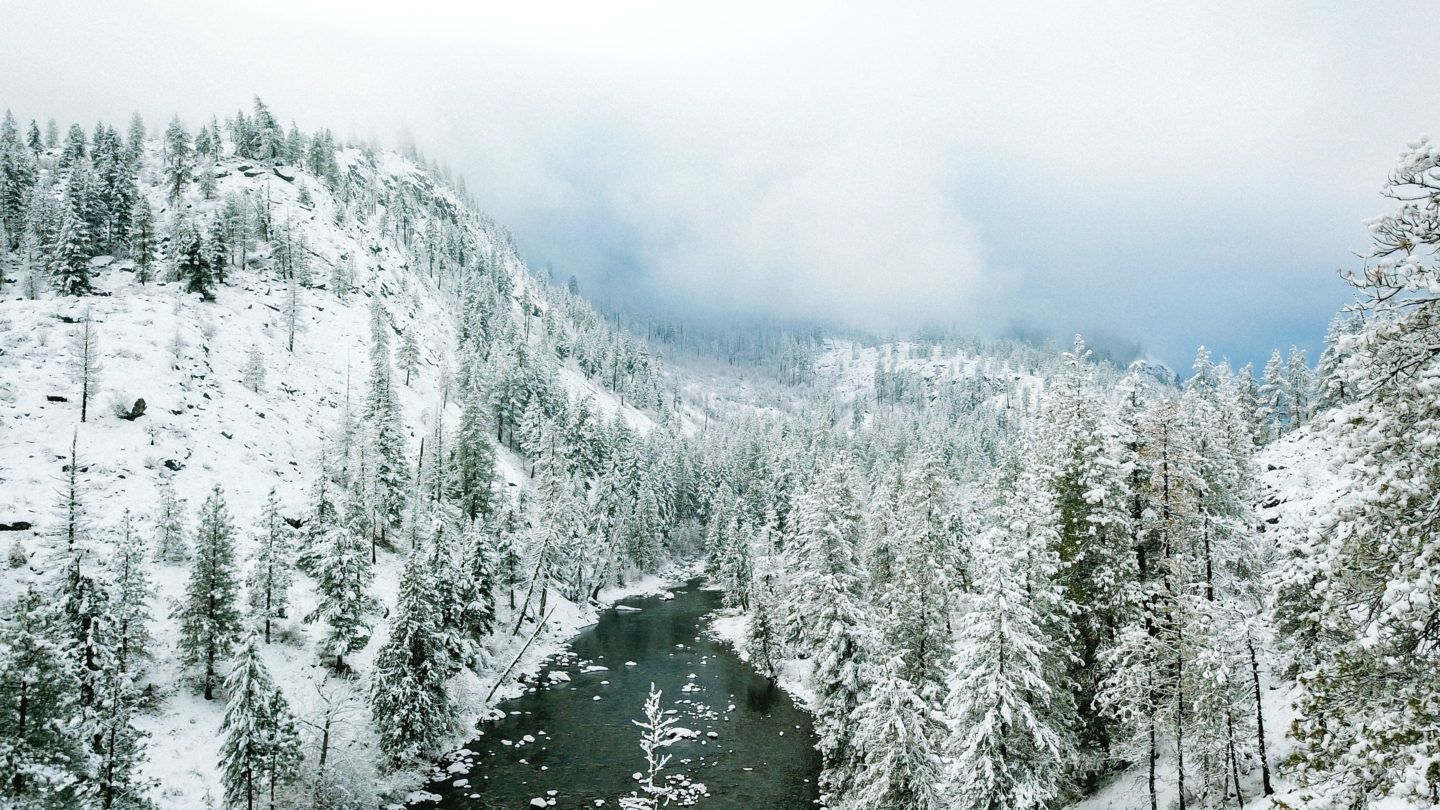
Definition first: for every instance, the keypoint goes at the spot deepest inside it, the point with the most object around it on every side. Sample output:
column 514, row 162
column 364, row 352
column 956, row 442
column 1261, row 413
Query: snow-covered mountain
column 176, row 396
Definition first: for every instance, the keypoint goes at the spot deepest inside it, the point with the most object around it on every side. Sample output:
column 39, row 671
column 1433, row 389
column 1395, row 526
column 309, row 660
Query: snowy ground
column 793, row 674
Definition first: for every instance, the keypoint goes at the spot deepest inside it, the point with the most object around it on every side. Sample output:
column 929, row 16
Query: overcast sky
column 1169, row 173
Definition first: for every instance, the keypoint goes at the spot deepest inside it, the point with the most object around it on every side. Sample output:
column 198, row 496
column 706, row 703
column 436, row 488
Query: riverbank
column 566, row 738
column 475, row 691
column 794, row 675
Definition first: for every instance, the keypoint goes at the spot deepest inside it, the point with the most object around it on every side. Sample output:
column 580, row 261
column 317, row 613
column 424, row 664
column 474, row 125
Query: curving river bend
column 575, row 736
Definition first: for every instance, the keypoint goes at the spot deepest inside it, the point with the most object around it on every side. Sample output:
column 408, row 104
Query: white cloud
column 819, row 158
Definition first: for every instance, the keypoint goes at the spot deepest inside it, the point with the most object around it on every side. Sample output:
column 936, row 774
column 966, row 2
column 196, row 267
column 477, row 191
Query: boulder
column 136, row 411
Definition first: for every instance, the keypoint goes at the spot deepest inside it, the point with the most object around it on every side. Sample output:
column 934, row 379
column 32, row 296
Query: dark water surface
column 762, row 756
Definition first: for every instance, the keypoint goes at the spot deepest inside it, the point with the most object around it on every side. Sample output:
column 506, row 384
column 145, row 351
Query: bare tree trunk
column 1234, row 760
column 1259, row 719
column 1154, row 748
column 525, row 606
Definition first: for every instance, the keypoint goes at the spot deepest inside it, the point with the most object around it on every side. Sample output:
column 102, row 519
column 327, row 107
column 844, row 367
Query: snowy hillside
column 208, row 420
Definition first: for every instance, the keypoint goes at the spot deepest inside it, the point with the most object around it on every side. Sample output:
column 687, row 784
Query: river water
column 752, row 747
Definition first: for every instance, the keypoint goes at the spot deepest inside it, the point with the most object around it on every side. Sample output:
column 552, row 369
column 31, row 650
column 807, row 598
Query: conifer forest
column 738, row 475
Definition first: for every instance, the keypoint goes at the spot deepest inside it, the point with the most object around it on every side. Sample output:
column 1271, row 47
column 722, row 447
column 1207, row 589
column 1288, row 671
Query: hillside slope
column 203, row 426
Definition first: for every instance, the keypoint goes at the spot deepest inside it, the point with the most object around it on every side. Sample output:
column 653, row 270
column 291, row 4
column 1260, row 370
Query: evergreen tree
column 1359, row 597
column 74, row 149
column 68, row 255
column 209, row 614
column 178, row 159
column 894, row 741
column 254, row 370
column 762, row 635
column 925, row 570
column 71, row 507
column 1299, row 384
column 18, row 178
column 144, row 244
column 389, row 467
column 192, row 265
column 825, row 609
column 408, row 699
column 169, row 520
column 130, row 594
column 260, row 748
column 1010, row 705
column 120, row 745
column 409, row 357
column 472, row 462
column 342, row 577
column 291, row 312
column 481, row 567
column 45, row 760
column 82, row 620
column 270, row 575
column 135, row 140
column 1275, row 396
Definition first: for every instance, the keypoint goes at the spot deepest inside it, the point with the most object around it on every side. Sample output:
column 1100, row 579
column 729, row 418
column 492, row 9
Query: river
column 752, row 747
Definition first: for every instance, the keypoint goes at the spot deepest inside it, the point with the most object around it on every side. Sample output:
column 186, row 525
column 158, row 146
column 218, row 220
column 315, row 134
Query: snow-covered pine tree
column 1360, row 593
column 260, row 737
column 411, row 708
column 895, row 735
column 270, row 575
column 389, row 467
column 43, row 754
column 343, row 574
column 1299, row 386
column 169, row 520
column 480, row 566
column 451, row 600
column 925, row 578
column 472, row 461
column 762, row 634
column 81, row 619
column 825, row 606
column 254, row 370
column 1010, row 703
column 734, row 569
column 409, row 356
column 342, row 277
column 322, row 515
column 71, row 504
column 130, row 593
column 192, row 265
column 1275, row 397
column 1224, row 570
column 291, row 311
column 1331, row 388
column 209, row 614
column 1093, row 544
column 68, row 254
column 119, row 783
column 1247, row 399
column 178, row 157
column 144, row 242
